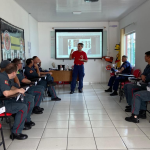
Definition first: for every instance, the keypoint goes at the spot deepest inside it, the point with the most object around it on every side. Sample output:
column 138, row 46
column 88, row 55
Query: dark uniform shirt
column 20, row 76
column 30, row 73
column 5, row 84
column 127, row 68
column 147, row 73
column 40, row 69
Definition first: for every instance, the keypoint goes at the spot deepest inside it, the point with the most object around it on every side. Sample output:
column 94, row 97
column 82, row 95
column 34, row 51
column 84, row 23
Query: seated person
column 18, row 108
column 30, row 73
column 37, row 91
column 138, row 109
column 129, row 89
column 37, row 61
column 28, row 99
column 114, row 80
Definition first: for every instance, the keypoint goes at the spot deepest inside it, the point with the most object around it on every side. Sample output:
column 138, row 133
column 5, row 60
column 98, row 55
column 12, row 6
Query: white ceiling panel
column 62, row 10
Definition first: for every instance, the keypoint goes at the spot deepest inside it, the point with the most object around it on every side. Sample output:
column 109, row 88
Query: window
column 130, row 41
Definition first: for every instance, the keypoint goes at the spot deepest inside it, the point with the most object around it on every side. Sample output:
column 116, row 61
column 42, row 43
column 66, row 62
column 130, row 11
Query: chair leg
column 3, row 139
column 9, row 122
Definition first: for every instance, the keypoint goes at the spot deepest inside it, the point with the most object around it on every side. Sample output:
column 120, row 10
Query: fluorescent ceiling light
column 77, row 12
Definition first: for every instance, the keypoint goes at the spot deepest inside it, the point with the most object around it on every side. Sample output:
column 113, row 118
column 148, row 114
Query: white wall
column 141, row 17
column 16, row 15
column 94, row 70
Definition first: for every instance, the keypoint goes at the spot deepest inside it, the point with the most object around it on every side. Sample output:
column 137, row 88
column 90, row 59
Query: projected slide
column 65, row 41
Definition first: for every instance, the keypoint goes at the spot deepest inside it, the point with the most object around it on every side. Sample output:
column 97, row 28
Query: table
column 64, row 76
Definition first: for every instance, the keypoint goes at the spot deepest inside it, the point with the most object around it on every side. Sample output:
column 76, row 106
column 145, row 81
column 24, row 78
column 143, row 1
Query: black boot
column 128, row 110
column 71, row 92
column 142, row 114
column 80, row 91
column 36, row 110
column 114, row 93
column 27, row 127
column 29, row 123
column 127, row 107
column 19, row 136
column 132, row 119
column 56, row 99
column 109, row 90
column 51, row 83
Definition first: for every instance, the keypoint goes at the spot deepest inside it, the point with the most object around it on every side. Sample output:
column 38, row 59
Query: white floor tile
column 99, row 117
column 33, row 133
column 79, row 124
column 53, row 144
column 105, row 132
column 7, row 143
column 130, row 132
column 81, row 144
column 80, row 132
column 28, row 144
column 57, row 124
column 79, row 117
column 55, row 133
column 110, row 143
column 136, row 142
column 104, row 124
column 146, row 131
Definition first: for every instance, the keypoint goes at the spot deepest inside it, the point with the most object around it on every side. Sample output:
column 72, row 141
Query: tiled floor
column 89, row 121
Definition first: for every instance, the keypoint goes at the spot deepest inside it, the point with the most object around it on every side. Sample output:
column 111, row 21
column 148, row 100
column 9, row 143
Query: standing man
column 79, row 57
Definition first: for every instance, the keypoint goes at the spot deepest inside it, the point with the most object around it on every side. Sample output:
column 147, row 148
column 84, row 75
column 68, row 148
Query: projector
column 91, row 0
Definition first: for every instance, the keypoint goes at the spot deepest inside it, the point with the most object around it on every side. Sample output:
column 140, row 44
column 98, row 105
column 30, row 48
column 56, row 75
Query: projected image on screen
column 66, row 41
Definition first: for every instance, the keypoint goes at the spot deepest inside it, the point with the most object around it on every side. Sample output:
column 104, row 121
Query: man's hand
column 36, row 66
column 143, row 78
column 72, row 51
column 50, row 73
column 81, row 59
column 22, row 91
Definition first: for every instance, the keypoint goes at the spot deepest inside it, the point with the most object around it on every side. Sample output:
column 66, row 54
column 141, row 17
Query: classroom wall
column 16, row 15
column 94, row 69
column 141, row 25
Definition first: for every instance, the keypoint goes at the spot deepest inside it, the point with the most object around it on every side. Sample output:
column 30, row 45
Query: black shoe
column 80, row 91
column 114, row 93
column 27, row 127
column 19, row 136
column 56, row 99
column 142, row 114
column 71, row 92
column 109, row 90
column 127, row 107
column 29, row 123
column 36, row 110
column 40, row 109
column 51, row 83
column 132, row 119
column 128, row 110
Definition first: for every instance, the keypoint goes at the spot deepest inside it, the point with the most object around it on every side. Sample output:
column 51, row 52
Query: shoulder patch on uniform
column 6, row 82
column 31, row 71
column 18, row 72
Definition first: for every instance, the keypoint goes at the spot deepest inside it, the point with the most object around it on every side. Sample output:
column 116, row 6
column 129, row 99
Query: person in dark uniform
column 49, row 78
column 20, row 109
column 130, row 89
column 30, row 73
column 28, row 99
column 79, row 57
column 37, row 91
column 139, row 98
column 125, row 68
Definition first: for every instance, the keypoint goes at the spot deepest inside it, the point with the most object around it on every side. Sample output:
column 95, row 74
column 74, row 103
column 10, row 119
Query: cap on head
column 4, row 64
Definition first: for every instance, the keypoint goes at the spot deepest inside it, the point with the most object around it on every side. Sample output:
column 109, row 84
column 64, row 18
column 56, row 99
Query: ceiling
column 62, row 10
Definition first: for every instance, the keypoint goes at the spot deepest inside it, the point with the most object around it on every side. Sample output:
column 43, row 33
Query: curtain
column 122, row 44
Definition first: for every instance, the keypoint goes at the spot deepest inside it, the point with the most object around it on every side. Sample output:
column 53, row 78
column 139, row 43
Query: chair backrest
column 137, row 73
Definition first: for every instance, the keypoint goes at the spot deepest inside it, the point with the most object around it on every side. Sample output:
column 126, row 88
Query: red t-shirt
column 79, row 55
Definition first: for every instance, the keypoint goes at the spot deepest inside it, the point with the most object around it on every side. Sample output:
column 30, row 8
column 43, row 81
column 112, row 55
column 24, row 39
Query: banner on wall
column 12, row 41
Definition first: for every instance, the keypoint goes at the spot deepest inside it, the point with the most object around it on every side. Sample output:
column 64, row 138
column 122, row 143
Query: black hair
column 34, row 57
column 81, row 44
column 29, row 61
column 125, row 56
column 11, row 68
column 148, row 53
column 16, row 61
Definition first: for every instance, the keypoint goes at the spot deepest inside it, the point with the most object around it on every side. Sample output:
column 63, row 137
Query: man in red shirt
column 79, row 57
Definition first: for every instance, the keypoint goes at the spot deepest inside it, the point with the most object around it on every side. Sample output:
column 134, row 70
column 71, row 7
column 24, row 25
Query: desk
column 64, row 76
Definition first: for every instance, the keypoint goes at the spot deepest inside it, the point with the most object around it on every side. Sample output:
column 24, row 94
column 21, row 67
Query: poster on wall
column 12, row 41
